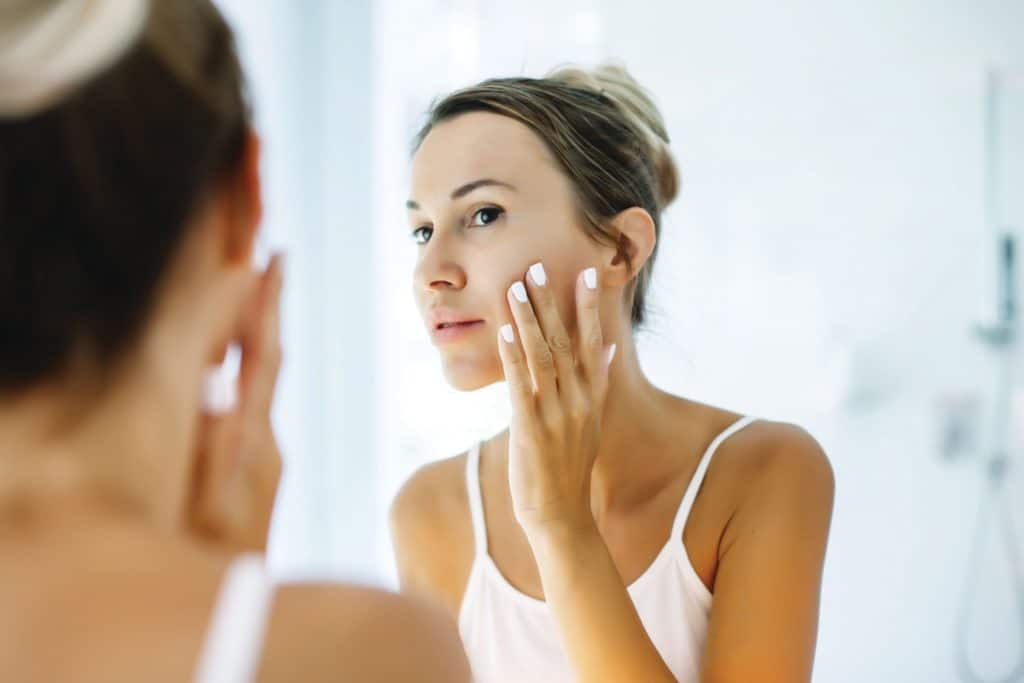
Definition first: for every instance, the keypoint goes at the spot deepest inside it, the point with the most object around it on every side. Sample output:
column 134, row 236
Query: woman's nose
column 439, row 270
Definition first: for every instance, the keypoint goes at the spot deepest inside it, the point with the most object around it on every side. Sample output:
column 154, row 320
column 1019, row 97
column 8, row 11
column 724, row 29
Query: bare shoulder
column 107, row 602
column 329, row 632
column 778, row 452
column 150, row 620
column 774, row 464
column 432, row 531
column 136, row 605
column 433, row 492
column 141, row 613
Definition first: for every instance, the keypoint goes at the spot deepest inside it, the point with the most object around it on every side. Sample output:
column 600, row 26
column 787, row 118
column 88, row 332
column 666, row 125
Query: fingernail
column 507, row 334
column 611, row 353
column 519, row 292
column 219, row 392
column 538, row 275
column 590, row 277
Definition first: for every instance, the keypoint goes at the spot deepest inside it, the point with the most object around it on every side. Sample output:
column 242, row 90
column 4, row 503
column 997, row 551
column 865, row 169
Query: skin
column 122, row 504
column 580, row 492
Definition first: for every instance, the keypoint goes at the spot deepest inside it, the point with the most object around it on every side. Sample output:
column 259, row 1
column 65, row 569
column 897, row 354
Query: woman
column 131, row 525
column 614, row 532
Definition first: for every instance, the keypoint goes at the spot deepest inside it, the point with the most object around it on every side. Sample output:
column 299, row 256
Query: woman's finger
column 260, row 339
column 588, row 316
column 517, row 373
column 215, row 468
column 539, row 358
column 553, row 329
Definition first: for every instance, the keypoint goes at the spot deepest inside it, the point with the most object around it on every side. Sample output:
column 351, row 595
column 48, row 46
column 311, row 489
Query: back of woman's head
column 605, row 132
column 117, row 118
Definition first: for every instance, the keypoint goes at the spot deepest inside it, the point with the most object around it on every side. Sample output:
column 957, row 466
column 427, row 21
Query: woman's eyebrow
column 462, row 191
column 477, row 184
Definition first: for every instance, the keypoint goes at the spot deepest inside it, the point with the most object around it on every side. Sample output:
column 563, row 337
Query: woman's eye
column 486, row 216
column 422, row 234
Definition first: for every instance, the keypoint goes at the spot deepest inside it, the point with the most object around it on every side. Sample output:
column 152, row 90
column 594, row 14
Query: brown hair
column 606, row 133
column 97, row 190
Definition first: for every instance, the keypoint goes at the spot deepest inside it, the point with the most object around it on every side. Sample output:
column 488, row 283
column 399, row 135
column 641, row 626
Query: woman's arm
column 764, row 616
column 601, row 630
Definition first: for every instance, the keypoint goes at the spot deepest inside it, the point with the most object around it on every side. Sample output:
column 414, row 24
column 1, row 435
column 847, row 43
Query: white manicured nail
column 220, row 392
column 611, row 353
column 538, row 275
column 519, row 292
column 507, row 334
column 590, row 277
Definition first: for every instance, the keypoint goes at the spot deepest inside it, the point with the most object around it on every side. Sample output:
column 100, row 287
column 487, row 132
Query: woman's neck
column 119, row 450
column 642, row 428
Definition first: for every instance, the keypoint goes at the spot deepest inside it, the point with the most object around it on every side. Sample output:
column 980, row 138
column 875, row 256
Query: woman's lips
column 448, row 332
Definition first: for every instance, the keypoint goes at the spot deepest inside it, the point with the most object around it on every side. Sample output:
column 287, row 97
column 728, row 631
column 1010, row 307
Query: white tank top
column 234, row 638
column 512, row 637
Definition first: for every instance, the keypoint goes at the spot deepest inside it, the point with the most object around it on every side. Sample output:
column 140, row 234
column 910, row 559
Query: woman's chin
column 470, row 376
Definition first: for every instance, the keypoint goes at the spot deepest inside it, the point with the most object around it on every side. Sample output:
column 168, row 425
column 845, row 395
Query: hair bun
column 616, row 83
column 48, row 47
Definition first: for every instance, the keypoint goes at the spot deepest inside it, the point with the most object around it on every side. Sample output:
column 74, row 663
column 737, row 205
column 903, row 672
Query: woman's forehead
column 479, row 145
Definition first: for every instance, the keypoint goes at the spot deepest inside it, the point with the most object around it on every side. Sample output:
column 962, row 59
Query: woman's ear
column 244, row 205
column 636, row 239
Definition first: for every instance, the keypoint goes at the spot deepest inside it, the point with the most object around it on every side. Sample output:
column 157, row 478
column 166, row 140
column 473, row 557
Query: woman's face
column 488, row 200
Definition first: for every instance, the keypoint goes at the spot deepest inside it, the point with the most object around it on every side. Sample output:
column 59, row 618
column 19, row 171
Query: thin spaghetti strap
column 698, row 477
column 476, row 506
column 234, row 640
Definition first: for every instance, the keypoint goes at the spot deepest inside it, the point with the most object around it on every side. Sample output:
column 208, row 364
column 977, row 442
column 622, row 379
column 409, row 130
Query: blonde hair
column 638, row 107
column 607, row 134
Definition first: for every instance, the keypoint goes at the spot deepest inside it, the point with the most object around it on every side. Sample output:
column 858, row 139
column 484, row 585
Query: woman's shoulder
column 85, row 607
column 432, row 501
column 145, row 613
column 323, row 631
column 432, row 531
column 768, row 462
column 765, row 448
column 438, row 494
column 334, row 632
column 433, row 488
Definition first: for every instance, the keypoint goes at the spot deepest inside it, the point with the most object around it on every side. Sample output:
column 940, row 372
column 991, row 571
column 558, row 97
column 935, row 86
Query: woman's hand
column 238, row 466
column 557, row 387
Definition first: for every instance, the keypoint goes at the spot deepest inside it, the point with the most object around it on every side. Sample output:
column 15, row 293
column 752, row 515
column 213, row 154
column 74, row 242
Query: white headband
column 50, row 53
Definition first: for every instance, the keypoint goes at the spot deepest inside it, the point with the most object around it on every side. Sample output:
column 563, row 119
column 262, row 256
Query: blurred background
column 837, row 258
